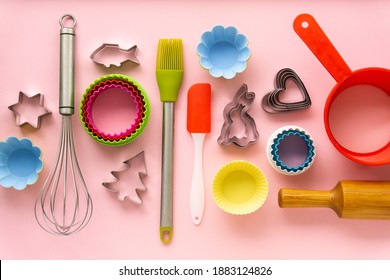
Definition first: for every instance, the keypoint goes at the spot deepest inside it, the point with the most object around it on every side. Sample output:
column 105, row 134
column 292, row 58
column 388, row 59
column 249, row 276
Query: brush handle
column 166, row 219
column 197, row 184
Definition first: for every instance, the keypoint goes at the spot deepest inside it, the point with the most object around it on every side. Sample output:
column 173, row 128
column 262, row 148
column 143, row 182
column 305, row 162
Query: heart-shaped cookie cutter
column 271, row 102
column 242, row 102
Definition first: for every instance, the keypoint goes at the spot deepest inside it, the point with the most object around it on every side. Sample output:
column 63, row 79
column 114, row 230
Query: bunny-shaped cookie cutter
column 242, row 102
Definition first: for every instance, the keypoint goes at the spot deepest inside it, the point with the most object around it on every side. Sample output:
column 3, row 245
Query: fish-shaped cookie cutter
column 271, row 102
column 242, row 102
column 109, row 55
column 27, row 103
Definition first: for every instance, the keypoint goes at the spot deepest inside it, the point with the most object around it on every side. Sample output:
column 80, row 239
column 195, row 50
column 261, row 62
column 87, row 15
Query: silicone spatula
column 198, row 124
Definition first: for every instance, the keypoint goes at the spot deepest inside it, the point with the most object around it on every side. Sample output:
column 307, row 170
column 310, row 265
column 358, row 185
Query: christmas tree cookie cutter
column 236, row 112
column 29, row 110
column 128, row 181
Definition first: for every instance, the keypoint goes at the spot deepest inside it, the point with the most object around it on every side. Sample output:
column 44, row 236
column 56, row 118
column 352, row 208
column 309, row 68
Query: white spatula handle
column 197, row 184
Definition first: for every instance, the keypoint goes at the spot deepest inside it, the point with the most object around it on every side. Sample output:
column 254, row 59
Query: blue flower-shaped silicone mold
column 20, row 163
column 223, row 51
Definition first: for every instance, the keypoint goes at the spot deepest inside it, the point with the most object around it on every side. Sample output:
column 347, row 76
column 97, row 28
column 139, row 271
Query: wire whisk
column 64, row 205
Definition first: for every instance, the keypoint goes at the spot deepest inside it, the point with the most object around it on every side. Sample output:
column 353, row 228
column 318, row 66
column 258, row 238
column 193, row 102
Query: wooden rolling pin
column 349, row 199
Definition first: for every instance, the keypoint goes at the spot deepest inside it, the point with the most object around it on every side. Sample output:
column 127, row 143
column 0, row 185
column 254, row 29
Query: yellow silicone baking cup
column 240, row 188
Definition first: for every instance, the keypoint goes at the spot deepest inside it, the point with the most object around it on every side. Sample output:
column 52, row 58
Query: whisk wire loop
column 64, row 205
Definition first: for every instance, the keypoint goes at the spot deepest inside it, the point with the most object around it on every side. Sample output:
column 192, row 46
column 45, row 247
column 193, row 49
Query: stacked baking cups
column 128, row 86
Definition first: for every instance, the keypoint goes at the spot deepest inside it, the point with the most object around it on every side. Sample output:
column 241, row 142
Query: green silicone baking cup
column 129, row 137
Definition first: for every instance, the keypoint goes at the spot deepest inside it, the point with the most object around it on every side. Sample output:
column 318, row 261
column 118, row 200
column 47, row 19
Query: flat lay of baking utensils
column 115, row 109
column 291, row 150
column 109, row 55
column 271, row 102
column 128, row 183
column 20, row 163
column 236, row 114
column 373, row 80
column 240, row 188
column 349, row 199
column 198, row 124
column 223, row 51
column 29, row 110
column 169, row 75
column 64, row 205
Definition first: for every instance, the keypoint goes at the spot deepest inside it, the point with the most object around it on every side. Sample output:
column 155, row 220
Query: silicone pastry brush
column 198, row 124
column 169, row 74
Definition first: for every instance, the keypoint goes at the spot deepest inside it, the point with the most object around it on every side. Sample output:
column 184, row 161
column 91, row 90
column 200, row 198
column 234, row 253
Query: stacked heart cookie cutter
column 271, row 102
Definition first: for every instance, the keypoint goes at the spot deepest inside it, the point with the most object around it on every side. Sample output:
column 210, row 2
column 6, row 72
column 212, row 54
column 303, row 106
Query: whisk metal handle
column 67, row 37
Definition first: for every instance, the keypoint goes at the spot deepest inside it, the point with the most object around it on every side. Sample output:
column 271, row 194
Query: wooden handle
column 293, row 198
column 349, row 199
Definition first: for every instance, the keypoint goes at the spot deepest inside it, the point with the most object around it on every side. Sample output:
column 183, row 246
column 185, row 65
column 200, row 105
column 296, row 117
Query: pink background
column 29, row 57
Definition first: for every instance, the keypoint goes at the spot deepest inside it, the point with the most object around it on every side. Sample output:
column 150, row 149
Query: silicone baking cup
column 223, row 51
column 128, row 86
column 20, row 163
column 240, row 187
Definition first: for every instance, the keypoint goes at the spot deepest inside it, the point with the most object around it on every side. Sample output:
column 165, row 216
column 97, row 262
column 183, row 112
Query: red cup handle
column 312, row 35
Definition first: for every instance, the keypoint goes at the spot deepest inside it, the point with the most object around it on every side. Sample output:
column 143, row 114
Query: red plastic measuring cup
column 312, row 35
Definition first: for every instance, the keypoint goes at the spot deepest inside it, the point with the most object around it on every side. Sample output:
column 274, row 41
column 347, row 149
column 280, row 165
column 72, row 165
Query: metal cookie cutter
column 112, row 55
column 291, row 150
column 29, row 110
column 271, row 102
column 242, row 102
column 129, row 180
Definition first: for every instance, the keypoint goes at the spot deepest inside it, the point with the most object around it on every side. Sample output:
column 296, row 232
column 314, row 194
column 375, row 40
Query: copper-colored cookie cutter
column 109, row 55
column 242, row 102
column 33, row 105
column 271, row 102
column 129, row 182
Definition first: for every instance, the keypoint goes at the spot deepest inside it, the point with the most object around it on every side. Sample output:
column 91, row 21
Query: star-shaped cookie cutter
column 29, row 110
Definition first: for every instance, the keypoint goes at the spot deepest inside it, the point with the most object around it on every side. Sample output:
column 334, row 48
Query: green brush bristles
column 170, row 54
column 169, row 68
